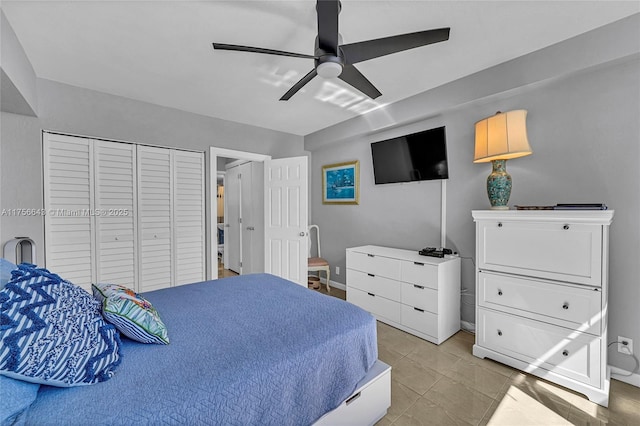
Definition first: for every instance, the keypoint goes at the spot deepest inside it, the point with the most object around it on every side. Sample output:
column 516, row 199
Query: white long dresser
column 417, row 294
column 541, row 294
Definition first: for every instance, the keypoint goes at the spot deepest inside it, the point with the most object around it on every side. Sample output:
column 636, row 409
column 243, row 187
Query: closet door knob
column 499, row 292
column 499, row 224
column 302, row 234
column 499, row 332
column 565, row 306
column 565, row 227
column 116, row 238
column 565, row 352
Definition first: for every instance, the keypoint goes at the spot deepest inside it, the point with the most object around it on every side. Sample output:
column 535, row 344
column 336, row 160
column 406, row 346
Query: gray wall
column 73, row 110
column 17, row 78
column 585, row 134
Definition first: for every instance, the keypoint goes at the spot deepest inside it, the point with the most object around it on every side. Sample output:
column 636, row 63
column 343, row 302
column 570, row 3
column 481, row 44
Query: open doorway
column 220, row 223
column 227, row 231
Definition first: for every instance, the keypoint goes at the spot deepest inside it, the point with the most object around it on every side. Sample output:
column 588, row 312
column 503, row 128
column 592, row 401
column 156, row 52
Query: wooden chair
column 317, row 264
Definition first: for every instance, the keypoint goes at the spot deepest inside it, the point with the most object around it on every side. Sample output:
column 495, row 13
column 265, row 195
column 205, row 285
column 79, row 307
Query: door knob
column 302, row 234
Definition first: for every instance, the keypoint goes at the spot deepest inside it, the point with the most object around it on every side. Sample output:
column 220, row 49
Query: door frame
column 214, row 153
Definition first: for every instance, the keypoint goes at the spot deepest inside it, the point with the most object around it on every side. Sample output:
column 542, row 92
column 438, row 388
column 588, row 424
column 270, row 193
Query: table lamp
column 500, row 138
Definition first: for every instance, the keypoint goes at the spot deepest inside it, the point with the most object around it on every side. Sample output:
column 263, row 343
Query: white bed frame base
column 367, row 404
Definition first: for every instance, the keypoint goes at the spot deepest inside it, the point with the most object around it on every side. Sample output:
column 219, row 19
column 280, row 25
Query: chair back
column 317, row 239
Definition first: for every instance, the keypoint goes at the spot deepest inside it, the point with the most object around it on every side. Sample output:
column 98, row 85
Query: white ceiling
column 160, row 51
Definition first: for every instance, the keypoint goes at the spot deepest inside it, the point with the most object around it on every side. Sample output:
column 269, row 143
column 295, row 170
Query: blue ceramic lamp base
column 499, row 185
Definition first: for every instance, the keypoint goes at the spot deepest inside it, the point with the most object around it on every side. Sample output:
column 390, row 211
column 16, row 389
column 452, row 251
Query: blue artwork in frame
column 340, row 183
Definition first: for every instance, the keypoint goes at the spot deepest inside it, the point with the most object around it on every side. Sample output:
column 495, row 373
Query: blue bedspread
column 250, row 350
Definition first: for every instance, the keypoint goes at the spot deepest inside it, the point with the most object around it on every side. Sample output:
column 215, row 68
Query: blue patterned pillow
column 132, row 314
column 51, row 332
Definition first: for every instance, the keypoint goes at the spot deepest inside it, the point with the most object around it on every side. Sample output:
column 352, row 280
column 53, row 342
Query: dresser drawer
column 568, row 306
column 560, row 251
column 372, row 264
column 377, row 305
column 420, row 297
column 558, row 349
column 420, row 320
column 375, row 284
column 419, row 273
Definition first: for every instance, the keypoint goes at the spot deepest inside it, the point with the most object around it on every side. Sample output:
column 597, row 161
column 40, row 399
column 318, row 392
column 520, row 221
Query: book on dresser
column 417, row 294
column 541, row 294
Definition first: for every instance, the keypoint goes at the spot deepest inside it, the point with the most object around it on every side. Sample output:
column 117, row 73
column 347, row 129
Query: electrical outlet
column 337, row 270
column 625, row 345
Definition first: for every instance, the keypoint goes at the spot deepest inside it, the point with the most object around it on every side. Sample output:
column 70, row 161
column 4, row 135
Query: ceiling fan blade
column 304, row 80
column 222, row 46
column 328, row 11
column 365, row 50
column 355, row 78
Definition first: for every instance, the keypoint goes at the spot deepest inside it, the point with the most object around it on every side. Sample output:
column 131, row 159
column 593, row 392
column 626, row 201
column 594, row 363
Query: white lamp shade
column 502, row 137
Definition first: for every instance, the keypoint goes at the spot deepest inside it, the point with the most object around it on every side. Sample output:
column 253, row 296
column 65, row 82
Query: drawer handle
column 371, row 294
column 371, row 275
column 371, row 255
column 565, row 306
column 353, row 398
column 421, row 287
column 499, row 224
column 499, row 292
column 565, row 227
column 418, row 263
column 499, row 332
column 418, row 309
column 565, row 352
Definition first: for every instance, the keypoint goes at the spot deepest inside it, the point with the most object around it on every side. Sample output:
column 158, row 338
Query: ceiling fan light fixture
column 329, row 69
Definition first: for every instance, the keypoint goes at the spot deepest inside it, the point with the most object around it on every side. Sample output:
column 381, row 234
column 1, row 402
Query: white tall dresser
column 541, row 294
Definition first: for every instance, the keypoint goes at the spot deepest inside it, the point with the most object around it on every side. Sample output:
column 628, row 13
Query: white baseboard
column 468, row 326
column 625, row 376
column 334, row 284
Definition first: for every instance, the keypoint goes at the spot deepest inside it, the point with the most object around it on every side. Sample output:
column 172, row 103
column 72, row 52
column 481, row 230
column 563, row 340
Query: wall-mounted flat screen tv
column 414, row 157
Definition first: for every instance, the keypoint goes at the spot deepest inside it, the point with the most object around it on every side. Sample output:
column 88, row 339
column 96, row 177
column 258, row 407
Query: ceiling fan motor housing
column 329, row 66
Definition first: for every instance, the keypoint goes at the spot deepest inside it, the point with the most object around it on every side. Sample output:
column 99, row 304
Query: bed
column 247, row 350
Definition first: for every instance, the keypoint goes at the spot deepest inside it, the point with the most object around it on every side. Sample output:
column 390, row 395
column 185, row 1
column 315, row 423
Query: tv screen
column 414, row 157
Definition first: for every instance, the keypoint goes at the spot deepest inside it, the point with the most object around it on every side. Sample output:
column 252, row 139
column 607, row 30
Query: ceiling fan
column 336, row 60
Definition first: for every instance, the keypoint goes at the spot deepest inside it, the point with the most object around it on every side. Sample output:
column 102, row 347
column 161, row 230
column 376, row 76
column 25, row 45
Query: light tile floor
column 447, row 385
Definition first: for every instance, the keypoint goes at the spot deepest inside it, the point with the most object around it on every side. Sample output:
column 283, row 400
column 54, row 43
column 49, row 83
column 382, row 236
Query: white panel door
column 188, row 214
column 286, row 221
column 155, row 218
column 232, row 219
column 256, row 222
column 68, row 190
column 115, row 207
column 247, row 228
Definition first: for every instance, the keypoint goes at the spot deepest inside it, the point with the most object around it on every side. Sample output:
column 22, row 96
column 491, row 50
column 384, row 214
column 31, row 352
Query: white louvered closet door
column 188, row 214
column 115, row 207
column 155, row 218
column 68, row 181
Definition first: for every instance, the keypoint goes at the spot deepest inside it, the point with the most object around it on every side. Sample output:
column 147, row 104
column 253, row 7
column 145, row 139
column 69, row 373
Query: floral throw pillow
column 131, row 313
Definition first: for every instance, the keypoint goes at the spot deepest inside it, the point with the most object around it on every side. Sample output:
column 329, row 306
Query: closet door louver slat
column 115, row 205
column 155, row 218
column 68, row 181
column 188, row 210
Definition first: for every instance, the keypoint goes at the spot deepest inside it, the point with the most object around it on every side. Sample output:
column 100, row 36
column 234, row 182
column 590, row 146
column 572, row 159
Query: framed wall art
column 341, row 183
